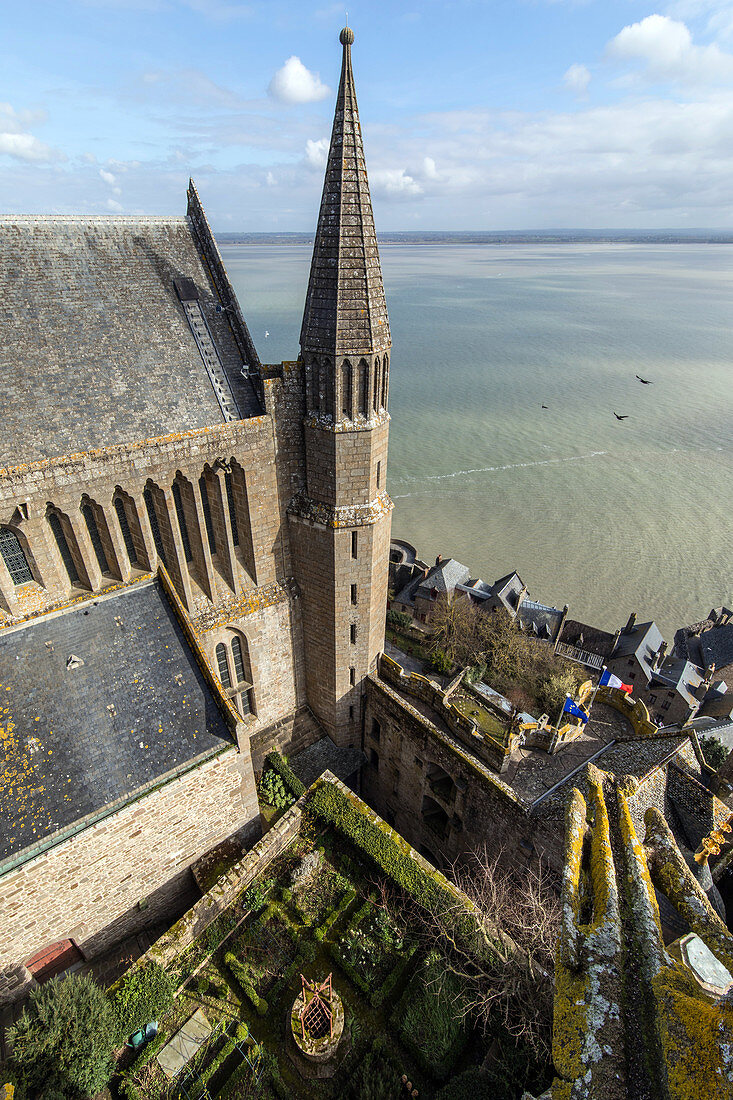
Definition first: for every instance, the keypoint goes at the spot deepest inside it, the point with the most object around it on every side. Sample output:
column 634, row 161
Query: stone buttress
column 340, row 523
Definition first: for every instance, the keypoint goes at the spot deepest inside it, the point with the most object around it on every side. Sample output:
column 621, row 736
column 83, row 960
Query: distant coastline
column 550, row 236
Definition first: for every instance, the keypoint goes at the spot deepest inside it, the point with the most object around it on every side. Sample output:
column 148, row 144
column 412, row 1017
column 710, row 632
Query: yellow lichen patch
column 697, row 1037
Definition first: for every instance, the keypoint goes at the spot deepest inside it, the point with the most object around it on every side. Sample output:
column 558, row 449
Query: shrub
column 473, row 1083
column 399, row 620
column 429, row 1017
column 63, row 1040
column 552, row 690
column 715, row 754
column 272, row 791
column 376, row 1077
column 441, row 662
column 143, row 994
column 277, row 763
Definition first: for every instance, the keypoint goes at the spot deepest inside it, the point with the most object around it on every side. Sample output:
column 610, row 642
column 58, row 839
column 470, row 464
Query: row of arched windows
column 18, row 559
column 350, row 391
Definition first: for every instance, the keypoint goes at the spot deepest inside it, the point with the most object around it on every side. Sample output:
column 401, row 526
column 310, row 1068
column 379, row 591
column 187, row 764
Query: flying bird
column 545, row 406
column 645, row 381
column 624, row 417
column 267, row 334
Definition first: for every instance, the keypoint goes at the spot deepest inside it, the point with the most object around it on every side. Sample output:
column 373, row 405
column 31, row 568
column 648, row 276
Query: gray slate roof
column 716, row 646
column 96, row 348
column 64, row 753
column 345, row 308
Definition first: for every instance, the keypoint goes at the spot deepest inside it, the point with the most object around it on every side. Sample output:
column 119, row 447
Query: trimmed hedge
column 240, row 973
column 143, row 994
column 280, row 766
column 333, row 914
column 387, row 850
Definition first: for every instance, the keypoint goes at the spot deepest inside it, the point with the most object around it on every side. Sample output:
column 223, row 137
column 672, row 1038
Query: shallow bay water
column 608, row 516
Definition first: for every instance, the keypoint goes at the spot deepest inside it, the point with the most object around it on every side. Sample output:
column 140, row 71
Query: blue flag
column 572, row 708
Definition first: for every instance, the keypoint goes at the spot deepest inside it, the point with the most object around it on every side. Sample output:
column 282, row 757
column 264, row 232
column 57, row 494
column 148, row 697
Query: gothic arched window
column 223, row 664
column 63, row 547
column 375, row 391
column 154, row 525
column 182, row 525
column 91, row 521
column 241, row 660
column 119, row 506
column 346, row 396
column 15, row 560
column 363, row 387
column 385, row 371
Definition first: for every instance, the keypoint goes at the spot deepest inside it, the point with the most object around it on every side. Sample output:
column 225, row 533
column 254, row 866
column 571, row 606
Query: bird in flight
column 624, row 417
column 545, row 406
column 645, row 381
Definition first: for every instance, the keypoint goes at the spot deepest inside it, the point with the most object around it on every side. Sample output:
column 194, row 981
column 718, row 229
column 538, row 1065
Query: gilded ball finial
column 346, row 38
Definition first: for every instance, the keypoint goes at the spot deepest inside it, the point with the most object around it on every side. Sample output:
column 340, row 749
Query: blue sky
column 526, row 114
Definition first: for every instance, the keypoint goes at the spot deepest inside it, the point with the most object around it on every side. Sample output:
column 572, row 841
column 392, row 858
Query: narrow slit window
column 346, row 409
column 353, row 544
column 183, row 526
column 91, row 521
column 352, row 676
column 353, row 595
column 223, row 664
column 14, row 558
column 385, row 368
column 154, row 526
column 238, row 661
column 230, row 501
column 352, row 633
column 246, row 702
column 207, row 514
column 126, row 532
column 375, row 391
column 363, row 388
column 58, row 533
column 379, row 474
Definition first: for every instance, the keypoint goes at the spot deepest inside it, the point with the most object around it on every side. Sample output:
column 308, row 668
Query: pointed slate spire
column 345, row 309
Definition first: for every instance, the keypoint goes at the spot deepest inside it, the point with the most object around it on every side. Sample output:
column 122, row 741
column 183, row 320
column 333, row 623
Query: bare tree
column 501, row 951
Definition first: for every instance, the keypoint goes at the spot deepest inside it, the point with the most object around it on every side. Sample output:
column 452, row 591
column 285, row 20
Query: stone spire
column 345, row 310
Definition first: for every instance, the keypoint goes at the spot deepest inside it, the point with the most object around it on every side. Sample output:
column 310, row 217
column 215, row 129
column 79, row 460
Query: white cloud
column 395, row 183
column 25, row 147
column 270, row 180
column 665, row 47
column 293, row 83
column 114, row 206
column 316, row 153
column 429, row 170
column 108, row 177
column 577, row 79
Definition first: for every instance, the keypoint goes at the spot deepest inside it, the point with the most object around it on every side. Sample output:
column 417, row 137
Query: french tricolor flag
column 609, row 680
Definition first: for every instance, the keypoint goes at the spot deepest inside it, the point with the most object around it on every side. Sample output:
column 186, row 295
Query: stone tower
column 340, row 524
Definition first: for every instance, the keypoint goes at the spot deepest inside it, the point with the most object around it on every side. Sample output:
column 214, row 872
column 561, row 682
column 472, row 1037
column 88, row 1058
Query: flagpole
column 593, row 699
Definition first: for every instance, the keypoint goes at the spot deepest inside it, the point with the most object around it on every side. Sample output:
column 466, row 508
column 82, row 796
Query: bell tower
column 340, row 525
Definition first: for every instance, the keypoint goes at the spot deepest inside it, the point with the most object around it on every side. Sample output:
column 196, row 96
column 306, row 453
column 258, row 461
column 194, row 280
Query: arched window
column 207, row 513
column 125, row 528
column 154, row 526
column 385, row 371
column 182, row 525
column 240, row 667
column 91, row 521
column 328, row 387
column 15, row 560
column 58, row 533
column 375, row 391
column 346, row 396
column 229, row 481
column 221, row 660
column 363, row 387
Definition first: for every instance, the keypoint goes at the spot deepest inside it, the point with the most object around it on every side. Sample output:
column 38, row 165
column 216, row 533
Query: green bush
column 399, row 620
column 376, row 1077
column 277, row 763
column 441, row 662
column 552, row 690
column 430, row 1017
column 63, row 1040
column 143, row 994
column 715, row 754
column 272, row 791
column 473, row 1083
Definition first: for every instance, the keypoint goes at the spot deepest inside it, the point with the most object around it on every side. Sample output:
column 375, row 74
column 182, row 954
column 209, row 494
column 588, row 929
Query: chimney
column 661, row 654
column 629, row 628
column 614, row 643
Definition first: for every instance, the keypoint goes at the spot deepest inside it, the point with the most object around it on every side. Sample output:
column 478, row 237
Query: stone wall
column 89, row 888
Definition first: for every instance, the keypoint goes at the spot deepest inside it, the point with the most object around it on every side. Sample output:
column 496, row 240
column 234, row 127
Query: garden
column 342, row 900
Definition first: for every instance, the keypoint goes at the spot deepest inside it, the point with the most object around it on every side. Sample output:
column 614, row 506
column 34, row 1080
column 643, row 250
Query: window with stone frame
column 119, row 506
column 223, row 665
column 14, row 557
column 63, row 547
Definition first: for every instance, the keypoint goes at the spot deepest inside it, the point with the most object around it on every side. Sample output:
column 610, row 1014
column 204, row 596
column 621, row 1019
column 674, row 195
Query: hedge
column 240, row 973
column 280, row 766
column 334, row 913
column 385, row 848
column 143, row 994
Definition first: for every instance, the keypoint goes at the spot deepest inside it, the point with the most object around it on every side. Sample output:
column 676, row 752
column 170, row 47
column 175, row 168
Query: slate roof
column 72, row 741
column 642, row 642
column 716, row 646
column 95, row 346
column 682, row 675
column 345, row 308
column 323, row 755
column 584, row 636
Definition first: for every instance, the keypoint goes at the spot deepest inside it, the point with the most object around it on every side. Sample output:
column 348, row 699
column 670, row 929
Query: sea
column 609, row 516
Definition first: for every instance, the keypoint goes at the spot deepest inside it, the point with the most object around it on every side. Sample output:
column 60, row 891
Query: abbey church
column 193, row 549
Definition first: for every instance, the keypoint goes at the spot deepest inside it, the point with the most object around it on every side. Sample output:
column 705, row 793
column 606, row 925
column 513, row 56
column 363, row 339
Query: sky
column 476, row 114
